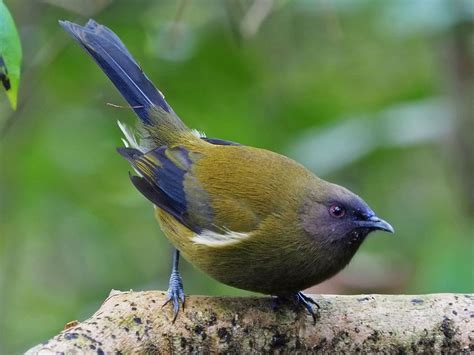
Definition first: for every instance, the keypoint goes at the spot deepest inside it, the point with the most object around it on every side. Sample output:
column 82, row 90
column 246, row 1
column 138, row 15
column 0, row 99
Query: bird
column 248, row 217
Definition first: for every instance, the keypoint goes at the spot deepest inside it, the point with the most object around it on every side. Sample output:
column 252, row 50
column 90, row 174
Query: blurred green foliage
column 10, row 55
column 73, row 227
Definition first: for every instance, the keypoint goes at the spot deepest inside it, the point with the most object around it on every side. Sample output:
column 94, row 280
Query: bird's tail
column 157, row 117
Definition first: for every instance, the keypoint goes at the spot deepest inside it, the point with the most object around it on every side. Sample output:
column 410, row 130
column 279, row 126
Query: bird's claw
column 306, row 301
column 175, row 293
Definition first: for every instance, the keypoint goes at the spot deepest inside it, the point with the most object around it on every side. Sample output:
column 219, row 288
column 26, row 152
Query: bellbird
column 248, row 217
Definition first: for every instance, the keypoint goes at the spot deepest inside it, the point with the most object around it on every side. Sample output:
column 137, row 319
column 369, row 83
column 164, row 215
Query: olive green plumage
column 263, row 208
column 250, row 218
column 268, row 200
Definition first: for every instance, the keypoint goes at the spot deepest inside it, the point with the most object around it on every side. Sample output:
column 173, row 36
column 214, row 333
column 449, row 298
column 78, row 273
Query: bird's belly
column 251, row 266
column 257, row 276
column 277, row 273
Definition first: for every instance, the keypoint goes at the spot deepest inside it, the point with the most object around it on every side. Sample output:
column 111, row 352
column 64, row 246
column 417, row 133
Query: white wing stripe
column 215, row 239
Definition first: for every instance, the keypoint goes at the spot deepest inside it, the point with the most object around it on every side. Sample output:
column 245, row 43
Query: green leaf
column 10, row 55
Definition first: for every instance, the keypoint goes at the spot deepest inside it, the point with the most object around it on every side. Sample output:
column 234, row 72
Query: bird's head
column 332, row 213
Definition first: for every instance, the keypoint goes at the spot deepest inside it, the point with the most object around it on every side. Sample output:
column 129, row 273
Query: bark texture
column 135, row 322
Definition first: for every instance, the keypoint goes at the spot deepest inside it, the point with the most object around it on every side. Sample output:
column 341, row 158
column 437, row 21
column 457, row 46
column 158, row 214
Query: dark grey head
column 333, row 213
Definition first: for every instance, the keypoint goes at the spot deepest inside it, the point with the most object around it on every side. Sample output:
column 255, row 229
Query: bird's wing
column 167, row 181
column 219, row 191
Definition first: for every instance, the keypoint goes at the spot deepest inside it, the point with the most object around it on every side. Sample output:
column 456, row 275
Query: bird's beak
column 375, row 223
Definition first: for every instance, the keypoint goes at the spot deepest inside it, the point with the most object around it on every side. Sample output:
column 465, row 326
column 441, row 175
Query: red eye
column 337, row 211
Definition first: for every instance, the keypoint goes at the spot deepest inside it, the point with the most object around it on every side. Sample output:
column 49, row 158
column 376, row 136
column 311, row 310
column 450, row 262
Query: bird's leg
column 307, row 302
column 175, row 288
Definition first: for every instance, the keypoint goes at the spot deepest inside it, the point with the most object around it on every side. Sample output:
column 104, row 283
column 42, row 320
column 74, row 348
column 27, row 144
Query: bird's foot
column 175, row 293
column 307, row 302
column 299, row 299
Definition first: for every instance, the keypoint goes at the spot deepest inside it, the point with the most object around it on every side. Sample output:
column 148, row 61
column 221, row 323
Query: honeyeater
column 248, row 217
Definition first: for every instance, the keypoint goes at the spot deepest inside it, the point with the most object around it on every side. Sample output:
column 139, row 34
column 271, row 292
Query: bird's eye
column 337, row 211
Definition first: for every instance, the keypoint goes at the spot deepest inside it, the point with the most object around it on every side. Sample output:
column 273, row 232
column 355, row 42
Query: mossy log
column 135, row 322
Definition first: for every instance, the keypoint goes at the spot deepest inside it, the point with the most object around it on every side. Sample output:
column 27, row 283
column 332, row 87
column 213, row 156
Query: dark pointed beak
column 376, row 223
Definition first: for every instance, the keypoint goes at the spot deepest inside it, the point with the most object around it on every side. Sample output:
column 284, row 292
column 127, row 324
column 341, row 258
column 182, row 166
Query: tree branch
column 136, row 322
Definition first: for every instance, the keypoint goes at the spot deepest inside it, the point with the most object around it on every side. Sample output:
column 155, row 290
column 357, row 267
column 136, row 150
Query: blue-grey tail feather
column 118, row 64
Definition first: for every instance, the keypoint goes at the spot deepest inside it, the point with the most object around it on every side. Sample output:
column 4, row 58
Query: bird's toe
column 175, row 294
